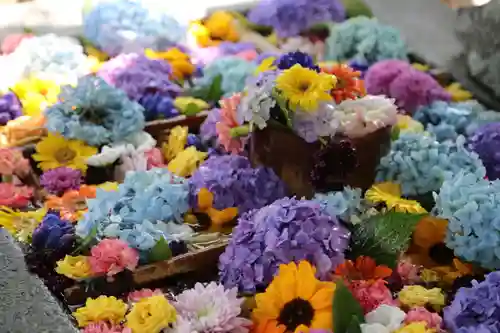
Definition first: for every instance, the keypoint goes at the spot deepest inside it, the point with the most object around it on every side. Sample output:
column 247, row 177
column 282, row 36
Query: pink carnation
column 433, row 320
column 154, row 158
column 12, row 162
column 112, row 256
column 11, row 42
column 15, row 196
column 371, row 294
column 104, row 327
column 408, row 272
column 136, row 296
column 227, row 122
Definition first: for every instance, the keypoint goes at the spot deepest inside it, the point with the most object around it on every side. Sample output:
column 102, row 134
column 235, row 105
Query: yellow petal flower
column 21, row 224
column 108, row 186
column 103, row 308
column 266, row 65
column 390, row 194
column 458, row 94
column 182, row 103
column 178, row 60
column 74, row 267
column 421, row 67
column 186, row 162
column 176, row 142
column 151, row 315
column 417, row 296
column 407, row 124
column 36, row 95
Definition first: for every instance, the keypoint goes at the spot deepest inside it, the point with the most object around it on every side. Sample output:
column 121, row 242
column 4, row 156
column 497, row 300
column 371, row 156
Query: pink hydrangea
column 112, row 256
column 227, row 122
column 12, row 162
column 104, row 327
column 421, row 314
column 154, row 158
column 11, row 42
column 15, row 196
column 137, row 295
column 371, row 294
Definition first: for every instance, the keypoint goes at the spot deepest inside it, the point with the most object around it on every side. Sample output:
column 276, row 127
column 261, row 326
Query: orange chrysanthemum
column 349, row 85
column 72, row 204
column 429, row 231
column 217, row 217
column 365, row 268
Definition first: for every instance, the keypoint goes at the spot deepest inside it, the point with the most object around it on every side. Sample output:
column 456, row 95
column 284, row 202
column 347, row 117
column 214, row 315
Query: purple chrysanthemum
column 291, row 17
column 10, row 108
column 60, row 180
column 485, row 142
column 399, row 80
column 285, row 231
column 475, row 309
column 235, row 183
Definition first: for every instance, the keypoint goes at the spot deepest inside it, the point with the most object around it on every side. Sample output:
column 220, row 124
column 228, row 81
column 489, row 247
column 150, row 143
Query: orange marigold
column 349, row 84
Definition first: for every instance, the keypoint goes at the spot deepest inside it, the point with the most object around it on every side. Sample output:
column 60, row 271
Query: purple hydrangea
column 235, row 183
column 53, row 233
column 207, row 128
column 475, row 309
column 285, row 231
column 399, row 80
column 10, row 108
column 60, row 180
column 485, row 142
column 291, row 17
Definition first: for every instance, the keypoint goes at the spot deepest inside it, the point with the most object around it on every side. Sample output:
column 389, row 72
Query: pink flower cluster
column 228, row 121
column 433, row 320
column 15, row 196
column 154, row 159
column 11, row 42
column 12, row 162
column 112, row 256
column 137, row 295
column 371, row 294
column 104, row 327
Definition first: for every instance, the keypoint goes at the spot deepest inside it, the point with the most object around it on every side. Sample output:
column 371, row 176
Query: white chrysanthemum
column 51, row 57
column 384, row 319
column 210, row 308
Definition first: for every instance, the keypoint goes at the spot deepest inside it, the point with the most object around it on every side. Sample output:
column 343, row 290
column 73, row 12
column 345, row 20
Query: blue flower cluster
column 123, row 26
column 53, row 233
column 158, row 106
column 289, row 59
column 137, row 213
column 365, row 41
column 485, row 142
column 285, row 231
column 449, row 120
column 342, row 204
column 94, row 112
column 234, row 72
column 419, row 162
column 471, row 204
column 475, row 309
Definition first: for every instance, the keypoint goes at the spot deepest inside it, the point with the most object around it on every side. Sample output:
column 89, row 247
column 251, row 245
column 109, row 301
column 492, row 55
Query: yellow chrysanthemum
column 221, row 25
column 407, row 124
column 421, row 67
column 458, row 94
column 417, row 296
column 182, row 103
column 108, row 186
column 178, row 60
column 175, row 143
column 36, row 95
column 416, row 327
column 390, row 194
column 266, row 65
column 186, row 162
column 151, row 315
column 305, row 88
column 21, row 224
column 55, row 151
column 103, row 308
column 295, row 301
column 74, row 267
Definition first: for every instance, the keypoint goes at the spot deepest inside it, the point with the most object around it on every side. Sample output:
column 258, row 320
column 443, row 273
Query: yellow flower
column 266, row 65
column 305, row 88
column 178, row 60
column 297, row 298
column 74, row 267
column 21, row 224
column 36, row 95
column 429, row 276
column 221, row 26
column 390, row 194
column 416, row 296
column 182, row 103
column 458, row 94
column 407, row 124
column 103, row 308
column 108, row 186
column 151, row 315
column 416, row 327
column 95, row 53
column 420, row 67
column 186, row 162
column 55, row 151
column 176, row 142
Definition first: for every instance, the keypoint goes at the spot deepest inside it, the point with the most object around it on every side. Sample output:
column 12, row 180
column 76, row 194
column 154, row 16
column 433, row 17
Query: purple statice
column 207, row 128
column 10, row 108
column 291, row 17
column 485, row 142
column 410, row 87
column 284, row 231
column 475, row 309
column 289, row 59
column 158, row 106
column 60, row 180
column 53, row 233
column 235, row 183
column 312, row 126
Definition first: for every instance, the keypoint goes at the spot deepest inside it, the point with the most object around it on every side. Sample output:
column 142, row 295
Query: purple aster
column 207, row 128
column 475, row 309
column 285, row 231
column 235, row 183
column 60, row 180
column 291, row 17
column 10, row 108
column 485, row 142
column 287, row 60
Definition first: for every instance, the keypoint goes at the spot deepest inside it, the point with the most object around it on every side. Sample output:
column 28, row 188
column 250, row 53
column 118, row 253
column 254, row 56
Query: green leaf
column 215, row 92
column 383, row 237
column 357, row 8
column 87, row 241
column 191, row 110
column 346, row 309
column 354, row 325
column 161, row 251
column 395, row 133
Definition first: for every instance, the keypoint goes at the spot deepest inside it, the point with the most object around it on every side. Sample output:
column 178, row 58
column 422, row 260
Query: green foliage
column 211, row 93
column 347, row 312
column 161, row 251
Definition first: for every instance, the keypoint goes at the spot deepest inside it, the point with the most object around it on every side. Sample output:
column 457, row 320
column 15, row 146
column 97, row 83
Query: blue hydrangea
column 139, row 211
column 94, row 112
column 365, row 41
column 123, row 26
column 419, row 162
column 342, row 204
column 449, row 120
column 234, row 72
column 471, row 204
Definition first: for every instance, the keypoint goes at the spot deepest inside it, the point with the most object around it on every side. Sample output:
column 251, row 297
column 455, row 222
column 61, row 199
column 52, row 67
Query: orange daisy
column 349, row 85
column 365, row 268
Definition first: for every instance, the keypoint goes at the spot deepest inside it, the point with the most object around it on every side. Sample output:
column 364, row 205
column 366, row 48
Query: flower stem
column 240, row 131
